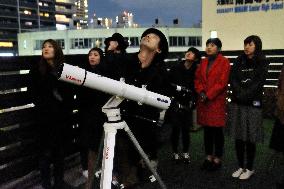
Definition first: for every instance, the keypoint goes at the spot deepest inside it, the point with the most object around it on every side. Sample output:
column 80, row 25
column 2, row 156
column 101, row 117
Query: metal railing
column 8, row 2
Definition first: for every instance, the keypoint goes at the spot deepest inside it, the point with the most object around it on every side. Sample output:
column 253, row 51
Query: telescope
column 81, row 77
column 180, row 88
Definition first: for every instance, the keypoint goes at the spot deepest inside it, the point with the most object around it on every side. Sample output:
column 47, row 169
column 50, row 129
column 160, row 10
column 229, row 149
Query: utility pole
column 38, row 14
column 19, row 18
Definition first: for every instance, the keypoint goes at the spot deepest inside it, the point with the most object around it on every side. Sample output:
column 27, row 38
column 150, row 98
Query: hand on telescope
column 185, row 90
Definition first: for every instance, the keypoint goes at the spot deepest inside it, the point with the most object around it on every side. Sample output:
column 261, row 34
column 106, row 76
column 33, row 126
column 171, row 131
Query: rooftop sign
column 242, row 6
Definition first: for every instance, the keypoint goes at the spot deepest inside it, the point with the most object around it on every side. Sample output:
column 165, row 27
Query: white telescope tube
column 79, row 76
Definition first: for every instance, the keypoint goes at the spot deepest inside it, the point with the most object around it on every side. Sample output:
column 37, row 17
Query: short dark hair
column 257, row 41
column 196, row 53
column 163, row 44
column 215, row 41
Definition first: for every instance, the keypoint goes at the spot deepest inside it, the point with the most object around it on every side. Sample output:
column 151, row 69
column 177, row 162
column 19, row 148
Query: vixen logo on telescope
column 69, row 77
column 107, row 153
column 162, row 100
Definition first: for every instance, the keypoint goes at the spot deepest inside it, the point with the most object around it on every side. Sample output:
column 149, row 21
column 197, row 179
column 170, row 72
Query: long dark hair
column 100, row 51
column 102, row 58
column 258, row 44
column 44, row 67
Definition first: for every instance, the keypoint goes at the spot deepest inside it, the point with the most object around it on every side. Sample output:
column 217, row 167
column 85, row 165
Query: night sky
column 145, row 11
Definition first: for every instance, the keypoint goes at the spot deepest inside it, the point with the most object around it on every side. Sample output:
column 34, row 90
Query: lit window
column 28, row 23
column 6, row 54
column 213, row 34
column 6, row 44
column 62, row 18
column 98, row 43
column 61, row 27
column 27, row 12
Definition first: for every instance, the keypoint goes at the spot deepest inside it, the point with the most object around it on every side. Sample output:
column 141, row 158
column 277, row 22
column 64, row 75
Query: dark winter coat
column 116, row 64
column 214, row 84
column 154, row 77
column 183, row 77
column 91, row 117
column 53, row 105
column 90, row 99
column 139, row 117
column 247, row 80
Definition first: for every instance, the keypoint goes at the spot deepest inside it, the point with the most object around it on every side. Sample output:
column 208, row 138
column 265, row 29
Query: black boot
column 280, row 185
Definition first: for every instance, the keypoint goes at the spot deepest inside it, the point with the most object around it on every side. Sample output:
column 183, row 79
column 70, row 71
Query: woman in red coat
column 211, row 81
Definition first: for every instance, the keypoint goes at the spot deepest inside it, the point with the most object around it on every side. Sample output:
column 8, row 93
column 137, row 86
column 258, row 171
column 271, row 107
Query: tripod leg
column 144, row 156
column 108, row 153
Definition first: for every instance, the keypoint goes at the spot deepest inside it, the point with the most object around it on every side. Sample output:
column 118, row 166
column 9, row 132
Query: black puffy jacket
column 183, row 77
column 247, row 80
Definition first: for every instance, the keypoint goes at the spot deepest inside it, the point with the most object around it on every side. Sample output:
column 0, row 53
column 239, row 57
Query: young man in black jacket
column 143, row 69
column 182, row 78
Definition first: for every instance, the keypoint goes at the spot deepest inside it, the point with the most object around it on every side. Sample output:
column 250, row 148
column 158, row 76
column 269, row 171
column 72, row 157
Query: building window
column 38, row 43
column 28, row 23
column 179, row 41
column 61, row 43
column 182, row 41
column 62, row 18
column 173, row 41
column 133, row 42
column 6, row 44
column 191, row 41
column 82, row 43
column 27, row 12
column 198, row 41
column 85, row 43
column 194, row 41
column 98, row 42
